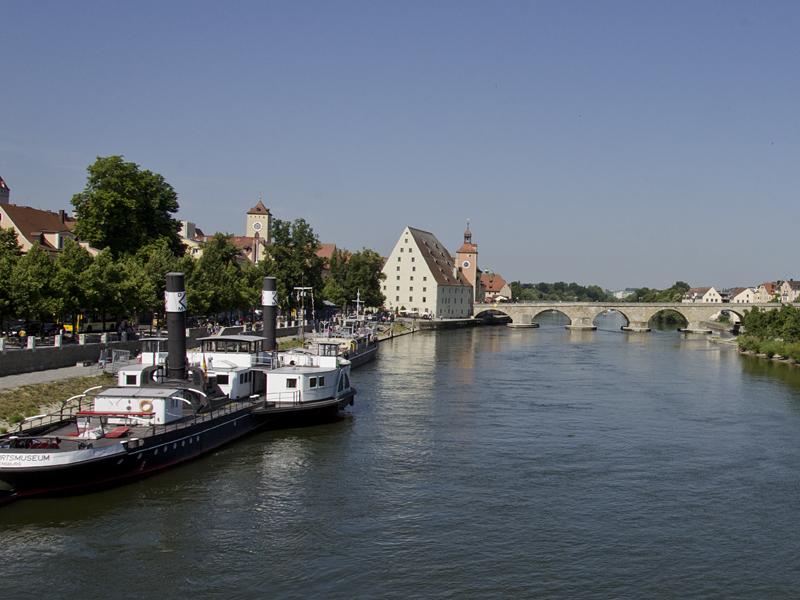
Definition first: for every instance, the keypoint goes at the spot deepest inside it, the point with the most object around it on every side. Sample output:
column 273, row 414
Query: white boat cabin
column 139, row 406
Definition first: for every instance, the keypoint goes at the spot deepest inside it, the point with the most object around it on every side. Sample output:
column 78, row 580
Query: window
column 398, row 268
column 398, row 278
column 413, row 268
column 223, row 379
column 401, row 249
column 424, row 300
column 399, row 257
column 321, row 381
column 397, row 288
column 130, row 379
column 412, row 278
column 411, row 288
column 397, row 298
column 424, row 278
column 291, row 383
column 410, row 298
column 424, row 289
column 312, row 383
column 412, row 259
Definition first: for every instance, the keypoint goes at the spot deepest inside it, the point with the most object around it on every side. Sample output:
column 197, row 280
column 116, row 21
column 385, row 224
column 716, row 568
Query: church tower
column 259, row 227
column 5, row 192
column 467, row 263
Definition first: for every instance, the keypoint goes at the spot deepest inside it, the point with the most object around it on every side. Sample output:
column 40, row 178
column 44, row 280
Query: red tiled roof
column 769, row 286
column 437, row 258
column 326, row 251
column 33, row 221
column 468, row 248
column 492, row 282
column 258, row 209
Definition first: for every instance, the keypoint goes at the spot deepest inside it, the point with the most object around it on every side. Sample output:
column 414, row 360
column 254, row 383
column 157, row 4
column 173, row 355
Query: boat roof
column 236, row 337
column 145, row 392
column 293, row 369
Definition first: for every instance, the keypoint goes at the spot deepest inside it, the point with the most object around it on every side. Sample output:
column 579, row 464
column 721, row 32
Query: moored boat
column 159, row 415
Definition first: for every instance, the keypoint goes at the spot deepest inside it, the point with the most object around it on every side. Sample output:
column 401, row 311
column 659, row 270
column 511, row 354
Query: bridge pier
column 696, row 327
column 523, row 321
column 582, row 324
column 637, row 327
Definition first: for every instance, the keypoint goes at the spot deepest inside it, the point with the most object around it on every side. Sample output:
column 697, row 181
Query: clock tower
column 259, row 223
column 467, row 263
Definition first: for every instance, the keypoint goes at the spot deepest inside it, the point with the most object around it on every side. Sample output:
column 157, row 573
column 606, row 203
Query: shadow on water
column 777, row 370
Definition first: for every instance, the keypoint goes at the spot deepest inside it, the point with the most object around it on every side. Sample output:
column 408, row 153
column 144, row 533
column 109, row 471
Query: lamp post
column 300, row 294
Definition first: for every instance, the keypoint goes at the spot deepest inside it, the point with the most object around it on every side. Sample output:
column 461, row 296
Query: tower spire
column 467, row 234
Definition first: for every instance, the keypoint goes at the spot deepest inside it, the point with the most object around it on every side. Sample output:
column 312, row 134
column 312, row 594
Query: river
column 489, row 462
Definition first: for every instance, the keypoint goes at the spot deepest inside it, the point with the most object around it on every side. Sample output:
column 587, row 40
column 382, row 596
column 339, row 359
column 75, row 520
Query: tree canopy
column 123, row 208
column 354, row 274
column 559, row 291
column 292, row 259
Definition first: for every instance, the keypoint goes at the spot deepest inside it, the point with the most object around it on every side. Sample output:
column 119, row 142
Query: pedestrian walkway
column 14, row 381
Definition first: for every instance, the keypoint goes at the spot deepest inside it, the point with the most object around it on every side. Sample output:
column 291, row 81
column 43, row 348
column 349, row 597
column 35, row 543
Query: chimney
column 269, row 303
column 175, row 307
column 62, row 215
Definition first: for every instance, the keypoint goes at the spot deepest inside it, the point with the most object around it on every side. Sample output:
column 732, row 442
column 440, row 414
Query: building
column 703, row 295
column 193, row 238
column 5, row 192
column 467, row 262
column 742, row 295
column 495, row 288
column 790, row 291
column 258, row 232
column 45, row 228
column 622, row 294
column 767, row 292
column 423, row 279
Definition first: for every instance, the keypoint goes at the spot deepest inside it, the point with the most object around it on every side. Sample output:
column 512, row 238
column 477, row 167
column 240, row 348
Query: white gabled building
column 422, row 278
column 742, row 295
column 790, row 291
column 703, row 295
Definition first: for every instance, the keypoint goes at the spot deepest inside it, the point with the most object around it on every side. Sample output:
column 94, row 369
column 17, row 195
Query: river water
column 489, row 462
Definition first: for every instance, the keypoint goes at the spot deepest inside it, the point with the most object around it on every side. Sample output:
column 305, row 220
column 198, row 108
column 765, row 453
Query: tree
column 10, row 252
column 292, row 259
column 217, row 283
column 123, row 208
column 70, row 266
column 364, row 275
column 104, row 289
column 32, row 282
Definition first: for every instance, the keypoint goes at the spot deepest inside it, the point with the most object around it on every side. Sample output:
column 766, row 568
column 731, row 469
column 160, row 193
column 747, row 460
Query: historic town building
column 34, row 226
column 702, row 294
column 495, row 288
column 5, row 192
column 742, row 295
column 790, row 291
column 467, row 262
column 423, row 279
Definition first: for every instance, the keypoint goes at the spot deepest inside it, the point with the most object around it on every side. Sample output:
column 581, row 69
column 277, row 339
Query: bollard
column 31, row 342
column 103, row 338
column 82, row 339
column 2, row 344
column 58, row 341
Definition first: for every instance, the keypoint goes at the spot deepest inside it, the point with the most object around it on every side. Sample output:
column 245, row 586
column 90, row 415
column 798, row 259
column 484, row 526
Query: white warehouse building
column 422, row 278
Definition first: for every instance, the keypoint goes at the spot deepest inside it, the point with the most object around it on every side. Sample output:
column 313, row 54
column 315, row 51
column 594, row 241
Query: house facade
column 740, row 295
column 495, row 288
column 467, row 262
column 766, row 292
column 44, row 228
column 705, row 295
column 423, row 279
column 790, row 291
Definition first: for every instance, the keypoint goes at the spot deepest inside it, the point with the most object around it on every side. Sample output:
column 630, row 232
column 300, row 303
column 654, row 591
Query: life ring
column 146, row 406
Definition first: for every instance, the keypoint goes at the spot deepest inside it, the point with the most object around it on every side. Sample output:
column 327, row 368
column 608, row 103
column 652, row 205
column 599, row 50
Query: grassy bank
column 36, row 399
column 770, row 347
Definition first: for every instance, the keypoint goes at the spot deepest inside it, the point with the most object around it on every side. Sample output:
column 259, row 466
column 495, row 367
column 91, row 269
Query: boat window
column 291, row 383
column 222, row 379
column 130, row 379
column 321, row 381
column 312, row 382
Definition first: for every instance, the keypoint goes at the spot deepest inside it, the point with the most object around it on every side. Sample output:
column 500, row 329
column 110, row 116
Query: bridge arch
column 611, row 311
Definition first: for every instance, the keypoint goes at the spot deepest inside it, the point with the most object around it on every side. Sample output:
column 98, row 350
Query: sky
column 622, row 144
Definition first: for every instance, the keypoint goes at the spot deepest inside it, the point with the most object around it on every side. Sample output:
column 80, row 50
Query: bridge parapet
column 637, row 314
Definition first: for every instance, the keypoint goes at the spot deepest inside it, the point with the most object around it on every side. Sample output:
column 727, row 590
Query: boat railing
column 284, row 398
column 68, row 409
column 202, row 417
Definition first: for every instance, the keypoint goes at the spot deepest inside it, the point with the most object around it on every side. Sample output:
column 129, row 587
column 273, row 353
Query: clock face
column 256, row 226
column 465, row 264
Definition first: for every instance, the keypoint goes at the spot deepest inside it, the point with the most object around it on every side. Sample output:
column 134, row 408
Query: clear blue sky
column 617, row 143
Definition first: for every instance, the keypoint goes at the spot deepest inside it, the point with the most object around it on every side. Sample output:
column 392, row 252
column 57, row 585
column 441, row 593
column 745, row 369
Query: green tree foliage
column 9, row 256
column 557, row 292
column 782, row 324
column 70, row 265
column 33, row 286
column 672, row 294
column 151, row 263
column 353, row 274
column 123, row 208
column 105, row 291
column 218, row 281
column 292, row 259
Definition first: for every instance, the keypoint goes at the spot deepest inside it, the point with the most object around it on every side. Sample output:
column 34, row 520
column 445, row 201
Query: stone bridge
column 637, row 314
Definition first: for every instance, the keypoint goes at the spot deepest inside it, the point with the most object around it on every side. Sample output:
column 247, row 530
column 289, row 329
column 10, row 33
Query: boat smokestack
column 175, row 307
column 269, row 301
